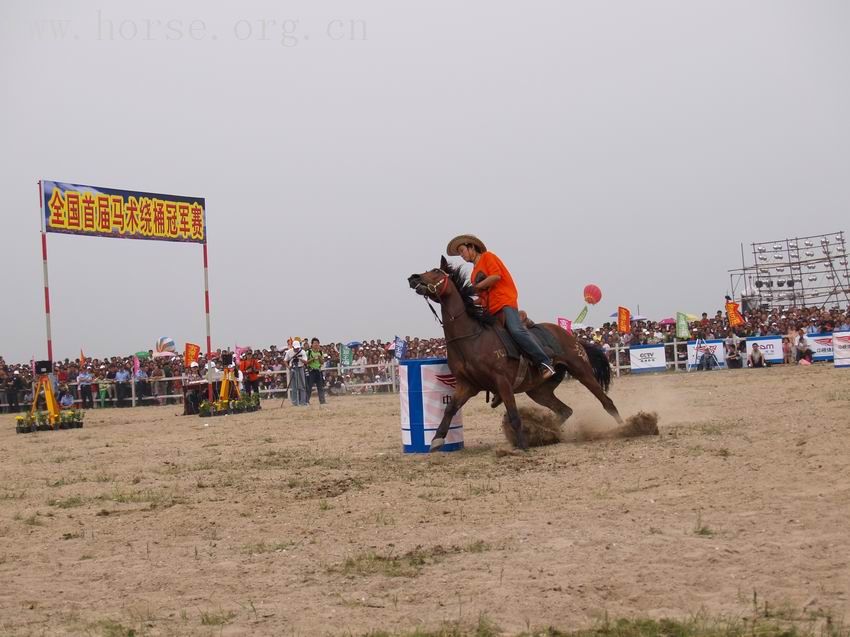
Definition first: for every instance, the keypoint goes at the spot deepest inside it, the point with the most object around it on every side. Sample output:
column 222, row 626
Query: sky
column 341, row 144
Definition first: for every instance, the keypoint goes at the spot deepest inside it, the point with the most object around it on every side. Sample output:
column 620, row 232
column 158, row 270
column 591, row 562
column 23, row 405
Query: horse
column 478, row 359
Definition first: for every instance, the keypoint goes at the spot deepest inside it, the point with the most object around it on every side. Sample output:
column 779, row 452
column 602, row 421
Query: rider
column 497, row 291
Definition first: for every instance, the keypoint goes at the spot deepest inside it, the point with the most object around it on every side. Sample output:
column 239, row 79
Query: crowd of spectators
column 109, row 379
column 112, row 381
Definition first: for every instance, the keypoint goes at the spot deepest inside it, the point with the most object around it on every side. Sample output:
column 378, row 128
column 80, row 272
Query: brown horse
column 478, row 359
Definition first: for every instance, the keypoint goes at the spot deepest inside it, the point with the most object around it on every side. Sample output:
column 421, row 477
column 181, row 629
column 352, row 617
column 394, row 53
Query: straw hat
column 465, row 238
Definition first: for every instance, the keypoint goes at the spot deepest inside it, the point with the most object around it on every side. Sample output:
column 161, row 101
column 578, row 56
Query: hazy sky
column 340, row 145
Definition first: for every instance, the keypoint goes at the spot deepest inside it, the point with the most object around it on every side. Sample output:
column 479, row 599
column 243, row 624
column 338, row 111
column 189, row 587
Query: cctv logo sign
column 647, row 358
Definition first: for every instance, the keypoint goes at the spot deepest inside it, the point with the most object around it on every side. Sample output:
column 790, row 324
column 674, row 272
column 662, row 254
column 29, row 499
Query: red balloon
column 592, row 294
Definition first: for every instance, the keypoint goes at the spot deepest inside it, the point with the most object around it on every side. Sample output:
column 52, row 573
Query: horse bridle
column 434, row 288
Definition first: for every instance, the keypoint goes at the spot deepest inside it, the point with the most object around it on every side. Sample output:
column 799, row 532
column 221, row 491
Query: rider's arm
column 488, row 282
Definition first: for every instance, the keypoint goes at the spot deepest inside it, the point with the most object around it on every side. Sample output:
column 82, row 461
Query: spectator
column 141, row 381
column 315, row 360
column 122, row 384
column 296, row 359
column 85, row 378
column 250, row 368
column 707, row 360
column 733, row 356
column 14, row 385
column 804, row 349
column 787, row 350
column 157, row 384
column 756, row 357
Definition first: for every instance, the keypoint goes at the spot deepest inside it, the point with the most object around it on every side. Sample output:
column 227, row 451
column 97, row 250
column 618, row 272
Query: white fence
column 356, row 380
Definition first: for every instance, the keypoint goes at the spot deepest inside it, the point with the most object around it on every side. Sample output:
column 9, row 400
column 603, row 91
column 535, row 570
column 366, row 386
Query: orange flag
column 734, row 315
column 624, row 320
column 82, row 358
column 190, row 354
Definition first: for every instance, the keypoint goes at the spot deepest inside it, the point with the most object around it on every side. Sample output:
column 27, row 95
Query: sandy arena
column 302, row 521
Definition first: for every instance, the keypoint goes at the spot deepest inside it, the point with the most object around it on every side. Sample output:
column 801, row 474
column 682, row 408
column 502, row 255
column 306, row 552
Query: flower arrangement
column 41, row 421
column 223, row 407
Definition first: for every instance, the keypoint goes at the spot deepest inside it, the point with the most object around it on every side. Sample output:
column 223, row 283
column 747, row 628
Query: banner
column 237, row 353
column 714, row 346
column 732, row 313
column 346, row 356
column 581, row 315
column 647, row 358
column 567, row 324
column 682, row 330
column 770, row 346
column 399, row 348
column 821, row 346
column 624, row 320
column 841, row 349
column 123, row 214
column 190, row 354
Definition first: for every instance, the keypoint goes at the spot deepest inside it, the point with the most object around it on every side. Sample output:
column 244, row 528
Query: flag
column 32, row 366
column 82, row 358
column 190, row 354
column 135, row 366
column 346, row 357
column 580, row 317
column 567, row 324
column 733, row 314
column 624, row 320
column 400, row 347
column 682, row 330
column 239, row 351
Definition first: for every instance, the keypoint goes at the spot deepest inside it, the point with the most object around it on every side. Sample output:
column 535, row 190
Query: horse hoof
column 436, row 443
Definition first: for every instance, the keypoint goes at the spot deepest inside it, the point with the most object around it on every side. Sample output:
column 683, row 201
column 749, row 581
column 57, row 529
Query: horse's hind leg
column 584, row 375
column 545, row 395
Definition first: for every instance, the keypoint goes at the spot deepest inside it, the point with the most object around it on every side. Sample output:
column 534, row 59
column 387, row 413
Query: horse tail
column 600, row 365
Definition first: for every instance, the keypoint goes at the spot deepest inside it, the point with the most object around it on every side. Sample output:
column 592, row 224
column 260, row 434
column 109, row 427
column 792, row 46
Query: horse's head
column 433, row 283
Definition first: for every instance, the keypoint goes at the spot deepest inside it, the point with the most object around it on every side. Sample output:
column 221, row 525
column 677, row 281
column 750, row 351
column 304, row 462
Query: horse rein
column 433, row 289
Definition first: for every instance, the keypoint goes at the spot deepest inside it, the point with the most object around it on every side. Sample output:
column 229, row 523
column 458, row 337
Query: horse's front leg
column 461, row 394
column 507, row 393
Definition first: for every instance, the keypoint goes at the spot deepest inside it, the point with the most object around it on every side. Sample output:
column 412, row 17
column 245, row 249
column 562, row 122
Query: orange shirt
column 249, row 367
column 504, row 292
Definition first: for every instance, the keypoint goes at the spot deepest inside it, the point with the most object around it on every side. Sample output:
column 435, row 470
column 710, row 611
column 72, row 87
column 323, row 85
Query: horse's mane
column 467, row 293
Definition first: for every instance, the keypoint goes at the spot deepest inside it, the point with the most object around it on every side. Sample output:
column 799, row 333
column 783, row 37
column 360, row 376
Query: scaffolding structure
column 795, row 272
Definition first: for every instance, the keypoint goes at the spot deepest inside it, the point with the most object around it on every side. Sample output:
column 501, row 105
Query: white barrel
column 427, row 386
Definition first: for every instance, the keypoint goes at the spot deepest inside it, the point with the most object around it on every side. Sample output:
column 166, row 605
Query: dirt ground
column 308, row 521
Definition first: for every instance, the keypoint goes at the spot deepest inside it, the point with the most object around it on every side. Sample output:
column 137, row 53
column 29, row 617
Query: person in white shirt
column 804, row 349
column 756, row 357
column 295, row 359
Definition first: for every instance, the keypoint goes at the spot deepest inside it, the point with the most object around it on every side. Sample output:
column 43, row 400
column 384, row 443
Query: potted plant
column 42, row 421
column 24, row 424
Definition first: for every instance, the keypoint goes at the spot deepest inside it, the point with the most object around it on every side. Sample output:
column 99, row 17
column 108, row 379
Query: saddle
column 544, row 338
